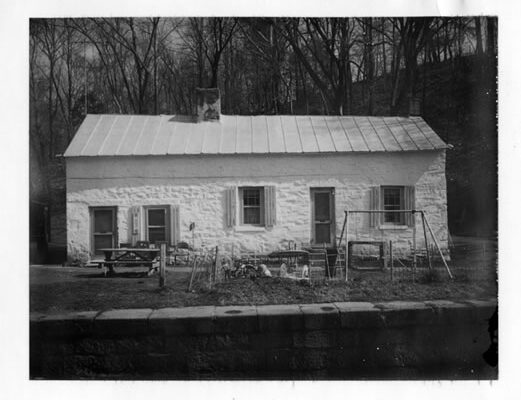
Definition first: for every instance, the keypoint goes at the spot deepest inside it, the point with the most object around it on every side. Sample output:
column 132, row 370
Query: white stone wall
column 197, row 185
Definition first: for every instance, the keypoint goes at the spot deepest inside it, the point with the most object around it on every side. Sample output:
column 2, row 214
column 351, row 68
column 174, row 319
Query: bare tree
column 491, row 36
column 126, row 50
column 412, row 34
column 270, row 49
column 322, row 45
column 208, row 37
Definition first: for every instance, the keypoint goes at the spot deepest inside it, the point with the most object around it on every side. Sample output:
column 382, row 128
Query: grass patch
column 63, row 289
column 56, row 290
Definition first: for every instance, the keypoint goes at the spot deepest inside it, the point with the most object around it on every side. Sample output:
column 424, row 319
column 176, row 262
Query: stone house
column 253, row 183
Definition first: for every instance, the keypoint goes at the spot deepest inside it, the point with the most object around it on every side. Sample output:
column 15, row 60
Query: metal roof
column 124, row 135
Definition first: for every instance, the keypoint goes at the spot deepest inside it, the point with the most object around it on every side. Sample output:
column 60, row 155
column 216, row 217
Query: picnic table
column 126, row 256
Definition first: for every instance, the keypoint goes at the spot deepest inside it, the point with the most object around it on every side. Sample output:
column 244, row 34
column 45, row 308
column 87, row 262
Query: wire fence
column 471, row 261
column 410, row 253
column 205, row 269
column 466, row 261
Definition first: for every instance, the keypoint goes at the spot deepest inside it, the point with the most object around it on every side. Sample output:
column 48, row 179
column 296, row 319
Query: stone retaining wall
column 406, row 340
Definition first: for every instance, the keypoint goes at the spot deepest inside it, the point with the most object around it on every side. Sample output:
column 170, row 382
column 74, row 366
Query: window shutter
column 270, row 206
column 135, row 213
column 229, row 207
column 374, row 204
column 409, row 204
column 175, row 225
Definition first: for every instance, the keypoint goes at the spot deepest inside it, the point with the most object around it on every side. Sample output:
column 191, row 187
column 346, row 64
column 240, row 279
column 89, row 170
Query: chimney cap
column 208, row 104
column 415, row 106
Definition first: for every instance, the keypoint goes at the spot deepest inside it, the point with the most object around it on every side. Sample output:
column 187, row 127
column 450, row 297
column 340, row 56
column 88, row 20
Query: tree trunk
column 50, row 116
column 369, row 63
column 384, row 56
column 479, row 38
column 491, row 36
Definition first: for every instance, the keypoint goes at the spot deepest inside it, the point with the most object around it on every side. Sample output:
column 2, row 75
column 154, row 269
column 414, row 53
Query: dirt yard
column 55, row 289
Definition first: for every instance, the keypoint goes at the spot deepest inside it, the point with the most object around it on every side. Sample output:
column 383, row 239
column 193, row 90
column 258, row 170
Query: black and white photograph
column 274, row 197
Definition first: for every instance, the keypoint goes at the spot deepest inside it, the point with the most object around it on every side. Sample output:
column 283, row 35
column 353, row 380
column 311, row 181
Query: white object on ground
column 264, row 270
column 283, row 270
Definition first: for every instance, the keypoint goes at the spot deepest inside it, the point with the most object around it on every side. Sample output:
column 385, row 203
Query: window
column 251, row 205
column 103, row 229
column 156, row 223
column 389, row 198
column 393, row 199
column 256, row 208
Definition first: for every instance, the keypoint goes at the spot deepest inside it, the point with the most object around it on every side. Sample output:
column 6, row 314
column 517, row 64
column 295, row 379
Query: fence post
column 391, row 261
column 162, row 265
column 439, row 249
column 413, row 245
column 215, row 264
column 192, row 275
column 426, row 243
column 347, row 243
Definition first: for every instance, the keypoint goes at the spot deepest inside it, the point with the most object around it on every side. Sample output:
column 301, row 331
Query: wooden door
column 323, row 216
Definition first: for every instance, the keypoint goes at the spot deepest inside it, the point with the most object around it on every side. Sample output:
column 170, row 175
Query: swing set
column 350, row 215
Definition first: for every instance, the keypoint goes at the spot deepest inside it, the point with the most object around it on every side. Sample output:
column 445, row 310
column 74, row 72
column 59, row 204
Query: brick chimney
column 208, row 104
column 414, row 106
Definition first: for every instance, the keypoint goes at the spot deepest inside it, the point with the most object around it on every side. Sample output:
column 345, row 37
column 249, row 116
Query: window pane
column 103, row 221
column 393, row 201
column 392, row 198
column 322, row 232
column 155, row 234
column 322, row 207
column 252, row 215
column 156, row 217
column 393, row 218
column 102, row 241
column 251, row 197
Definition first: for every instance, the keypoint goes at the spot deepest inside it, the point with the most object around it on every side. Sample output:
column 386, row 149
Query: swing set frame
column 425, row 223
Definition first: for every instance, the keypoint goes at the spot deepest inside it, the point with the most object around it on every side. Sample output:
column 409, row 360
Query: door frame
column 332, row 228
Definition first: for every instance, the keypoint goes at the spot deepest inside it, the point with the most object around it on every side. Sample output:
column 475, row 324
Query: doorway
column 323, row 216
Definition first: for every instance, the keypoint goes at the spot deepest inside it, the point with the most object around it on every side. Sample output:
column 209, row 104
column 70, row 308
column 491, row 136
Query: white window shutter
column 374, row 204
column 135, row 214
column 175, row 225
column 409, row 204
column 229, row 207
column 270, row 206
